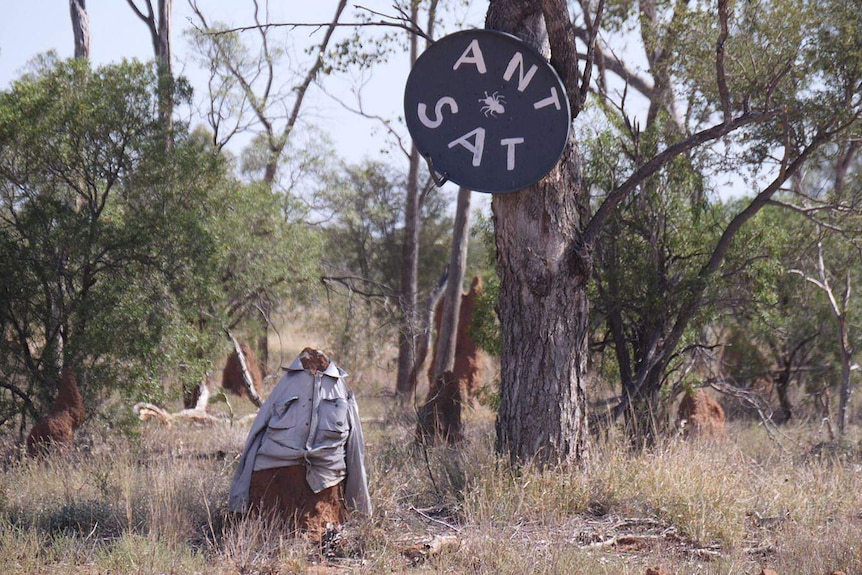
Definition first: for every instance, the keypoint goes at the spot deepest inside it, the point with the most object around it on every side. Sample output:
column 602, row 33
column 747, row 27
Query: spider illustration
column 493, row 104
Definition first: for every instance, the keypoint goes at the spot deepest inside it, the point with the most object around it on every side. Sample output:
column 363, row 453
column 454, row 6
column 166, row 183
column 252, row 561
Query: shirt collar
column 332, row 371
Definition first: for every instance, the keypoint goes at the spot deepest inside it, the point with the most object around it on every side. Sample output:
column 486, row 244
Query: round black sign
column 487, row 110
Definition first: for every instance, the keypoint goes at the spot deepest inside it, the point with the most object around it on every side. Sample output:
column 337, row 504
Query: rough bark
column 543, row 272
column 80, row 28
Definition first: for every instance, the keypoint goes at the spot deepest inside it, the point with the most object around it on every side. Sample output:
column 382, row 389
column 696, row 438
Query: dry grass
column 157, row 504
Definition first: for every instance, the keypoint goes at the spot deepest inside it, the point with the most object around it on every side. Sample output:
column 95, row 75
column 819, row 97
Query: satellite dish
column 487, row 111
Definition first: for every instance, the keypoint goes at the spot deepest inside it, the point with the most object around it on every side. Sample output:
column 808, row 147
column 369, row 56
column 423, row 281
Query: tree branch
column 616, row 65
column 350, row 283
column 413, row 29
column 661, row 355
column 564, row 53
column 720, row 75
column 312, row 73
column 808, row 213
column 149, row 20
column 590, row 58
column 360, row 111
column 649, row 168
column 23, row 396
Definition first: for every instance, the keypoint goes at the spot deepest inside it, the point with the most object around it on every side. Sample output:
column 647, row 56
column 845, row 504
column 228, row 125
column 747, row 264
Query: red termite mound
column 313, row 360
column 66, row 415
column 700, row 415
column 232, row 379
column 284, row 493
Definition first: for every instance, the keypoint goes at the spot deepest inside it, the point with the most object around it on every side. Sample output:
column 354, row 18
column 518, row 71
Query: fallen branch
column 246, row 374
column 417, row 553
column 623, row 540
column 148, row 411
column 637, row 522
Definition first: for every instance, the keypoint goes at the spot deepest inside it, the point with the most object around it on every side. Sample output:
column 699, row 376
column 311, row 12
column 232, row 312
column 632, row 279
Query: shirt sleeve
column 238, row 499
column 356, row 487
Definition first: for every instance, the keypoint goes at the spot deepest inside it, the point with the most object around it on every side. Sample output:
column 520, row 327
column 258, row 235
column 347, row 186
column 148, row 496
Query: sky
column 31, row 27
column 35, row 26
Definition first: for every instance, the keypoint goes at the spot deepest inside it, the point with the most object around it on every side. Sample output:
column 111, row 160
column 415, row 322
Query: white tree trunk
column 80, row 28
column 448, row 332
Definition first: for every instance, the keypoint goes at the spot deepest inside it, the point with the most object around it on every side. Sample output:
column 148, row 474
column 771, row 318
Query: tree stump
column 440, row 415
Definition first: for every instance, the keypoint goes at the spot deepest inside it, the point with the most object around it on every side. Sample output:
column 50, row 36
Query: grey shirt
column 309, row 420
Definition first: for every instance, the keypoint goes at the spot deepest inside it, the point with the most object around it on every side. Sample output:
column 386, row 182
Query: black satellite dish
column 487, row 111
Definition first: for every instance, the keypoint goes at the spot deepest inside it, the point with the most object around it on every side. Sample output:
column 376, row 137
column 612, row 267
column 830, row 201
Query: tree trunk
column 159, row 27
column 426, row 325
column 447, row 334
column 543, row 300
column 80, row 28
column 782, row 389
column 408, row 331
column 166, row 75
column 846, row 359
column 263, row 318
column 409, row 328
column 642, row 415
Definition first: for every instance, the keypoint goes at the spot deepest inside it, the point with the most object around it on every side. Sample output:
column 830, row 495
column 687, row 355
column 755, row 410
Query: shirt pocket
column 285, row 415
column 333, row 424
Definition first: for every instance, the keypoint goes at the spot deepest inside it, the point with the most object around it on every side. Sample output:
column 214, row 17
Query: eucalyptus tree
column 831, row 201
column 422, row 20
column 119, row 260
column 649, row 253
column 80, row 27
column 678, row 73
column 243, row 90
column 247, row 94
column 771, row 331
column 842, row 307
column 73, row 142
column 158, row 22
column 410, row 327
column 762, row 80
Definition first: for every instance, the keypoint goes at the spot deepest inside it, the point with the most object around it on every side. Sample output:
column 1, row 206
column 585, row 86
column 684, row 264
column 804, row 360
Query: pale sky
column 35, row 26
column 30, row 27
